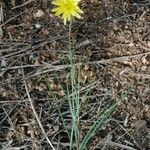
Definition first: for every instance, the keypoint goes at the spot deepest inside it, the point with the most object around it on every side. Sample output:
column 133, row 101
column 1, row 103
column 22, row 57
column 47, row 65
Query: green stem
column 74, row 98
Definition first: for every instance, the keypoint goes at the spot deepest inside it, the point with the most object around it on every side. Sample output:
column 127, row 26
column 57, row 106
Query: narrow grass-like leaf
column 97, row 125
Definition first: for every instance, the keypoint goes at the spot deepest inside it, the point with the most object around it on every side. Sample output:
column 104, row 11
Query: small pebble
column 38, row 26
column 3, row 62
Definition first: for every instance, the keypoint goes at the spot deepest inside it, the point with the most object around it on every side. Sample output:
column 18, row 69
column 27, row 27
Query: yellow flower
column 67, row 9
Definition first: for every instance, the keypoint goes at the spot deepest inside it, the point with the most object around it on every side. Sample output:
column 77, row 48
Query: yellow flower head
column 66, row 9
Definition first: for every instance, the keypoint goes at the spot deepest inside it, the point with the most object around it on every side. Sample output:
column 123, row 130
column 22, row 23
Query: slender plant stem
column 70, row 98
column 74, row 98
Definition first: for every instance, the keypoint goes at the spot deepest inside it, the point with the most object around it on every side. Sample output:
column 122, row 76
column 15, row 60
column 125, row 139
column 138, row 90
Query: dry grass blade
column 120, row 146
column 9, row 20
column 35, row 113
column 1, row 19
column 22, row 5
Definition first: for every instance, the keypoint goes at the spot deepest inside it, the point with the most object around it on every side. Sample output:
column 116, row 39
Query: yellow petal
column 57, row 3
column 67, row 9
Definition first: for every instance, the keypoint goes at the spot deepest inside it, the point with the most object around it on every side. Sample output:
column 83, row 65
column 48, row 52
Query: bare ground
column 112, row 50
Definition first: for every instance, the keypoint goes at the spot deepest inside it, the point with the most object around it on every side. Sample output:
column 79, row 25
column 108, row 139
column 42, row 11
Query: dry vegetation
column 112, row 56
